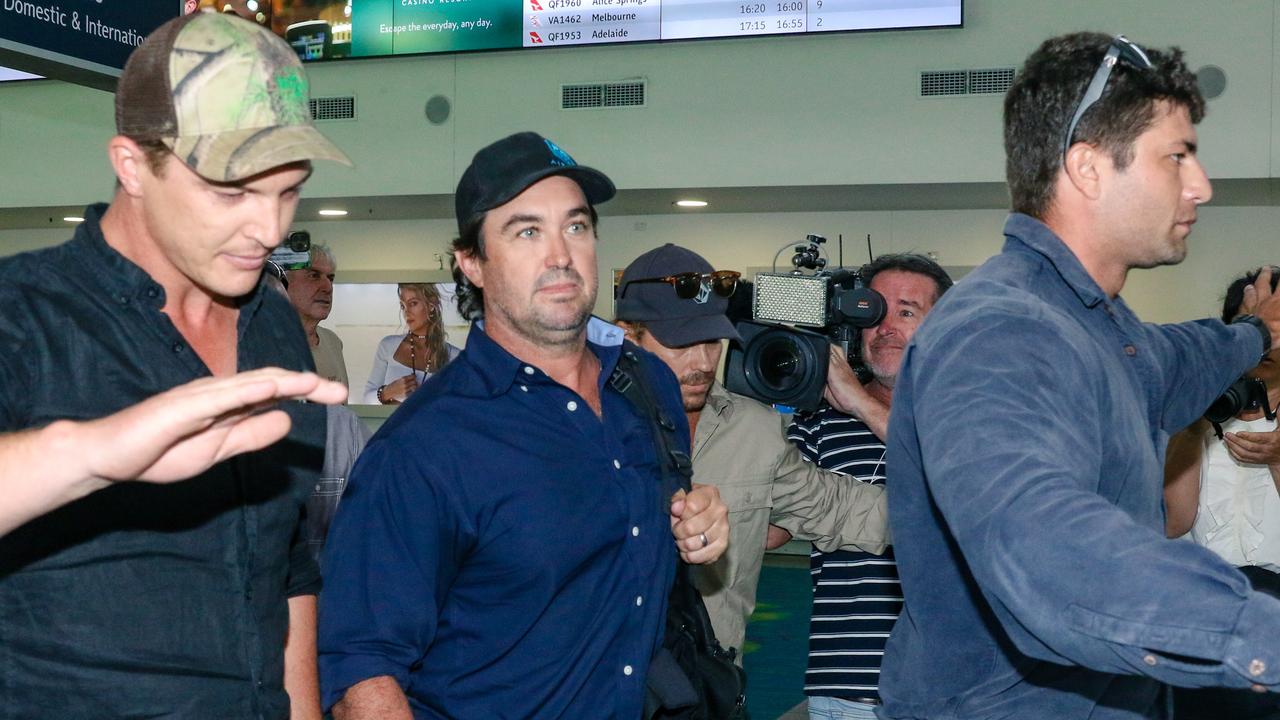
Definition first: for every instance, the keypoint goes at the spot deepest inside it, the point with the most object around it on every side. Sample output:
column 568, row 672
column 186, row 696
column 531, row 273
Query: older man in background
column 311, row 293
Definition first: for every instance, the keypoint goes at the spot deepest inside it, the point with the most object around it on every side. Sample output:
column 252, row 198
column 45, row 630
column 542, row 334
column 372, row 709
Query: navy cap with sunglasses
column 1121, row 48
column 678, row 296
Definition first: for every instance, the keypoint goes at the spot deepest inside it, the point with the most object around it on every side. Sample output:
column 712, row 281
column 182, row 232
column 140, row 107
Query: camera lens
column 298, row 241
column 1244, row 394
column 779, row 365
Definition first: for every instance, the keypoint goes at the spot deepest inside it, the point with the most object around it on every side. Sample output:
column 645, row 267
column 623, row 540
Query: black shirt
column 141, row 600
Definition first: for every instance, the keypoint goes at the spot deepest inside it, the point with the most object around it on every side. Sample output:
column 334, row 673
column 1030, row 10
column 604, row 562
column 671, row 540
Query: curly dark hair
column 1049, row 87
column 470, row 241
column 1235, row 291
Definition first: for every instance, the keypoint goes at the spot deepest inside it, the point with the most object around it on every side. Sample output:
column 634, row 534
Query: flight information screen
column 372, row 28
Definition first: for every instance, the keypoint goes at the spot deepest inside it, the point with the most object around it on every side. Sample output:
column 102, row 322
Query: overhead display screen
column 84, row 41
column 328, row 29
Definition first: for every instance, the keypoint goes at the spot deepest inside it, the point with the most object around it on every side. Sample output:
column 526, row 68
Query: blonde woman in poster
column 405, row 361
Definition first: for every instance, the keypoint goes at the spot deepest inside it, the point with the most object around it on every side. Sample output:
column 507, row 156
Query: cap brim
column 679, row 332
column 239, row 154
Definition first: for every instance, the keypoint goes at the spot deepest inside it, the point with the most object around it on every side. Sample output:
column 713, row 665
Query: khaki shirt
column 740, row 448
column 330, row 363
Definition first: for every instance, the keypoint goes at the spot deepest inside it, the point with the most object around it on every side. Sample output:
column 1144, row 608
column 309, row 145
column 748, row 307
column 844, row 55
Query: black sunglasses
column 1121, row 48
column 692, row 285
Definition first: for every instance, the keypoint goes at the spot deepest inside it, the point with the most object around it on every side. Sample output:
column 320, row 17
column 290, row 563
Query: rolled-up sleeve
column 831, row 510
column 1072, row 577
column 391, row 555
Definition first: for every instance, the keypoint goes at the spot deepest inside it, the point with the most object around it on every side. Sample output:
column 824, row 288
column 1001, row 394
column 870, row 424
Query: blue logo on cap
column 559, row 157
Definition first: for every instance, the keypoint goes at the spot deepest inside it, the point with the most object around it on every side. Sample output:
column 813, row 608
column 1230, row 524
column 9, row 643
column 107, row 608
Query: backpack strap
column 677, row 473
column 672, row 691
column 628, row 379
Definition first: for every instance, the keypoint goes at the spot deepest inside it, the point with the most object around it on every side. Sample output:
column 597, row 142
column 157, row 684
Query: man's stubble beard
column 546, row 332
column 697, row 378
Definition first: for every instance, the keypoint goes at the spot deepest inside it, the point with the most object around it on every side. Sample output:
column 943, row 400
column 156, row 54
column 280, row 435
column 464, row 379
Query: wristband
column 1262, row 329
column 379, row 395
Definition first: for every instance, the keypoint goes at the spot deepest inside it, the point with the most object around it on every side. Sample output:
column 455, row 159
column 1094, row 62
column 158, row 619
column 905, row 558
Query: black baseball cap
column 506, row 168
column 674, row 321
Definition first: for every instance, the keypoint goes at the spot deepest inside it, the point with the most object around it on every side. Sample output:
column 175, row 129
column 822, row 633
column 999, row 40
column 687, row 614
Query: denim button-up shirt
column 1027, row 442
column 501, row 551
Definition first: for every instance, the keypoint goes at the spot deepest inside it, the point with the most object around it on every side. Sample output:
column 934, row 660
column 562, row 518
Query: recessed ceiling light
column 691, row 203
column 73, row 219
column 333, row 213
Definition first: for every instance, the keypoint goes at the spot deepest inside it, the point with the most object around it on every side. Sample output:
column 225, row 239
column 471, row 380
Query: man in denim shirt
column 1030, row 420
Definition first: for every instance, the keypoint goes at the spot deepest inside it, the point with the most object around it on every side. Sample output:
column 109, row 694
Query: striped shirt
column 856, row 596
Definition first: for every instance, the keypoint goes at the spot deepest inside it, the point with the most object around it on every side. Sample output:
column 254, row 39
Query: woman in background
column 403, row 362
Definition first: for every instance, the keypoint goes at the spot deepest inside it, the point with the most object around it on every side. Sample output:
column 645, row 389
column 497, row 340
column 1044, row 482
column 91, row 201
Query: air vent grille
column 602, row 95
column 334, row 108
column 573, row 97
column 628, row 94
column 944, row 82
column 989, row 81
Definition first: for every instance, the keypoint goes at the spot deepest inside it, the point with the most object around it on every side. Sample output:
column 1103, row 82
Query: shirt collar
column 498, row 369
column 113, row 272
column 719, row 399
column 1037, row 236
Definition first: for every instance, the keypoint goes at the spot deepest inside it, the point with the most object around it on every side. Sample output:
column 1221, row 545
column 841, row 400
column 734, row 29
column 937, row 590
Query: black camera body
column 1245, row 394
column 783, row 356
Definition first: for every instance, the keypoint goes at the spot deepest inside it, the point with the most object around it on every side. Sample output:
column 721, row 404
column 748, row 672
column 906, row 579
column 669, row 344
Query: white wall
column 837, row 109
column 1226, row 242
column 776, row 111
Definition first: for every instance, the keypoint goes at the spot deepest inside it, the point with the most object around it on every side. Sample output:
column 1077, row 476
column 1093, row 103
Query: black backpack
column 691, row 677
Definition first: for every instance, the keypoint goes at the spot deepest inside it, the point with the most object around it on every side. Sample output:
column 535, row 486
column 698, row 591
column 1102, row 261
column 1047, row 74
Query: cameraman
column 1224, row 492
column 857, row 597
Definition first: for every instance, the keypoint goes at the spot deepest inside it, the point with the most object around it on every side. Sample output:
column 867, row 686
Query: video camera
column 778, row 361
column 295, row 252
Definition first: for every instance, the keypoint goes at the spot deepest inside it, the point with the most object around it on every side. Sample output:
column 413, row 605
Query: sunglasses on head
column 274, row 270
column 692, row 285
column 1121, row 48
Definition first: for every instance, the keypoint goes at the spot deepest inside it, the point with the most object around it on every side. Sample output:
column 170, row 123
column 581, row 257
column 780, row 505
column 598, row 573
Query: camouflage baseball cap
column 227, row 96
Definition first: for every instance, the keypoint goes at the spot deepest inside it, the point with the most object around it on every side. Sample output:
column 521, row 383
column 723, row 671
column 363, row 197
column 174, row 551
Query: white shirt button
column 635, row 531
column 639, row 600
column 572, row 405
column 617, row 465
column 524, row 388
column 627, row 671
column 528, row 370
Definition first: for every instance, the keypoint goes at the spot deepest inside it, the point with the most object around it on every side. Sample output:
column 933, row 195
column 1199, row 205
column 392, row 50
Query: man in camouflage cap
column 182, row 599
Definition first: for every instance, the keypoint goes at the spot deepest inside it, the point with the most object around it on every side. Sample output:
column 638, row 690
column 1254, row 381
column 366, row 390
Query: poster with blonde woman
column 404, row 361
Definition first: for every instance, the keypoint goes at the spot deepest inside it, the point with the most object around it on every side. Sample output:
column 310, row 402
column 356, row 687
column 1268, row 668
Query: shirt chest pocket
column 746, row 492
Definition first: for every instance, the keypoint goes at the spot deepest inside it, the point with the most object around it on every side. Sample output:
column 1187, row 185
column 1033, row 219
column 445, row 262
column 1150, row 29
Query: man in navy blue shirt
column 504, row 548
column 1030, row 420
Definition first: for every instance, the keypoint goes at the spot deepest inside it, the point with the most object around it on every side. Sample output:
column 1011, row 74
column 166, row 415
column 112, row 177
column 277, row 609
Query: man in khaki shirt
column 311, row 293
column 738, row 444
